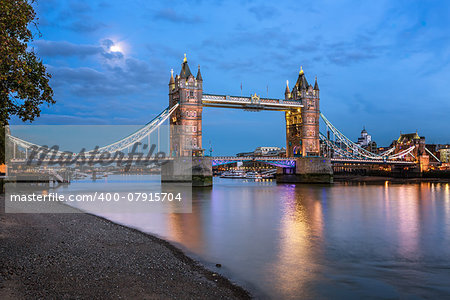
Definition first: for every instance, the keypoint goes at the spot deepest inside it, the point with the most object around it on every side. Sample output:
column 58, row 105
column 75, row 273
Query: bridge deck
column 249, row 103
column 371, row 161
column 333, row 160
column 289, row 160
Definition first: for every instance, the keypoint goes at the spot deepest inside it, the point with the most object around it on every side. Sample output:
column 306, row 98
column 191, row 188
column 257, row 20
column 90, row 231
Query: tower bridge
column 309, row 153
column 252, row 103
column 301, row 107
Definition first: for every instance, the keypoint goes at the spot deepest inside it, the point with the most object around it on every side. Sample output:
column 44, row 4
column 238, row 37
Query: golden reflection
column 407, row 214
column 447, row 192
column 177, row 225
column 438, row 187
column 301, row 226
column 433, row 192
column 386, row 198
column 447, row 200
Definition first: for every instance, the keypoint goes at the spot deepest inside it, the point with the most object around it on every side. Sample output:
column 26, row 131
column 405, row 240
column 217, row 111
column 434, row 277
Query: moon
column 115, row 48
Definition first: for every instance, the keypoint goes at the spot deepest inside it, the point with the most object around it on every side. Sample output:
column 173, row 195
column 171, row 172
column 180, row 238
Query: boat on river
column 233, row 174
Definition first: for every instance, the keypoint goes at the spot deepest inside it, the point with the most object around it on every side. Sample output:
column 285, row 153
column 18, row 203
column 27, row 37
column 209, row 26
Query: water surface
column 347, row 241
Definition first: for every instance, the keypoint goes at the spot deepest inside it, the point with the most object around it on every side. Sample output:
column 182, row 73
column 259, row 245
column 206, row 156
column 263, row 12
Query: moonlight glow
column 115, row 48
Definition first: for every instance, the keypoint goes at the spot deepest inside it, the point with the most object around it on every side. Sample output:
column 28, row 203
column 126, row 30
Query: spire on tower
column 185, row 71
column 301, row 83
column 316, row 86
column 287, row 92
column 199, row 75
column 172, row 80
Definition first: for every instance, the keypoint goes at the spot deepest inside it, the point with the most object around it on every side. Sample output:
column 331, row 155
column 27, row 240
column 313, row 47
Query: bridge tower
column 302, row 125
column 302, row 136
column 186, row 121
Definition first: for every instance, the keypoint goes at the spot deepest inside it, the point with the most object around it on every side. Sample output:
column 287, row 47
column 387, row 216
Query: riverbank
column 383, row 179
column 62, row 256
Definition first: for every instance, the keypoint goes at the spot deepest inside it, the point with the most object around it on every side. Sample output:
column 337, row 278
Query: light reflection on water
column 316, row 241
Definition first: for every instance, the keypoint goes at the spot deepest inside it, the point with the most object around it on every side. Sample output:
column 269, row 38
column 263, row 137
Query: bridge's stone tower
column 302, row 125
column 186, row 131
column 187, row 90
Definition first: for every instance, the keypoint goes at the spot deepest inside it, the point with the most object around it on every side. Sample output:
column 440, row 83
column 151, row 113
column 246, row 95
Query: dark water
column 317, row 242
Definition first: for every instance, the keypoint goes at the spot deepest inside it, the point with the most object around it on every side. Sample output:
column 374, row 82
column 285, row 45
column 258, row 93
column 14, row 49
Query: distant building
column 382, row 149
column 372, row 147
column 365, row 138
column 418, row 153
column 265, row 151
column 365, row 141
column 442, row 146
column 407, row 140
column 444, row 155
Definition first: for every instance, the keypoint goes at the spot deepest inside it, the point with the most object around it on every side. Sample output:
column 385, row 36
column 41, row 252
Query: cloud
column 76, row 75
column 63, row 48
column 107, row 74
column 65, row 119
column 85, row 25
column 66, row 49
column 346, row 57
column 131, row 76
column 360, row 103
column 360, row 49
column 171, row 15
column 77, row 16
column 109, row 53
column 263, row 11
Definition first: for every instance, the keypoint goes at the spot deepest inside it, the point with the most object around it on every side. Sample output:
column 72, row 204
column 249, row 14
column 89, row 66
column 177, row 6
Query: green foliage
column 24, row 81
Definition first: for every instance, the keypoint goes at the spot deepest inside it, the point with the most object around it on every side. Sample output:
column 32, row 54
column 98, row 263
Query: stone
column 307, row 170
column 197, row 170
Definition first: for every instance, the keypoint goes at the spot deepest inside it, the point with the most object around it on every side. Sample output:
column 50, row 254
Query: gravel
column 81, row 256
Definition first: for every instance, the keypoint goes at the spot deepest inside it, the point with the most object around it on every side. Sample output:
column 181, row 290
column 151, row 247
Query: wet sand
column 62, row 256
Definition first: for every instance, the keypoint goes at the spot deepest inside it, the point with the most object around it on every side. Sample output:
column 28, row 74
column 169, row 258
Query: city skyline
column 383, row 70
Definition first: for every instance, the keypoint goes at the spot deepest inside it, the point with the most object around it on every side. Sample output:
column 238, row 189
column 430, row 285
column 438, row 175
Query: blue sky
column 380, row 64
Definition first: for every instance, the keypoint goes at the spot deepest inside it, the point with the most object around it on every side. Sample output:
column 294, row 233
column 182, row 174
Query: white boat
column 233, row 174
column 268, row 173
column 253, row 175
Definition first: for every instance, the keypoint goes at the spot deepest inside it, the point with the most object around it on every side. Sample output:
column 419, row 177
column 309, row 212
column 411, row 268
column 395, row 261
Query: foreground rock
column 82, row 256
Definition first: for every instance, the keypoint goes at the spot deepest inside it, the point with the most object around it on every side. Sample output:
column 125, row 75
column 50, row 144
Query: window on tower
column 191, row 93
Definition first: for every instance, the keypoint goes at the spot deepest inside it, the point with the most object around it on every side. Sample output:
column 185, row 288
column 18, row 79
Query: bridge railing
column 117, row 146
column 225, row 99
column 348, row 149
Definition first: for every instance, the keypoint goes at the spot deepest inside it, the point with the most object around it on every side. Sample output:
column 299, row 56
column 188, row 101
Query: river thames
column 346, row 241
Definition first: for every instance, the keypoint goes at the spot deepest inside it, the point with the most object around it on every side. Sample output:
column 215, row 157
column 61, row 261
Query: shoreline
column 383, row 179
column 82, row 255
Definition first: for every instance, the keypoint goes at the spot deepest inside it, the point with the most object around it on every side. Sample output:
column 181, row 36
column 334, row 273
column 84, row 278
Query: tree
column 24, row 81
